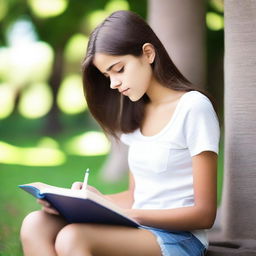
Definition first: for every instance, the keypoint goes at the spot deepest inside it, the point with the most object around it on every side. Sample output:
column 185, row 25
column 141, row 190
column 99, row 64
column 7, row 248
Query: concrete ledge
column 243, row 247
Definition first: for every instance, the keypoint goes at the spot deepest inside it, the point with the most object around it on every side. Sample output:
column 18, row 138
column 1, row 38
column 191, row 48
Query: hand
column 132, row 213
column 78, row 186
column 47, row 207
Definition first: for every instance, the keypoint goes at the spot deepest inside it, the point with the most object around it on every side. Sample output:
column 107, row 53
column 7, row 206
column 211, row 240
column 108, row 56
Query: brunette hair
column 123, row 33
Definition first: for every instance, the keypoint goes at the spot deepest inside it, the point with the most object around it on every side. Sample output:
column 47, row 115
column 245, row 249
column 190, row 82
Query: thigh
column 105, row 240
column 48, row 225
column 38, row 233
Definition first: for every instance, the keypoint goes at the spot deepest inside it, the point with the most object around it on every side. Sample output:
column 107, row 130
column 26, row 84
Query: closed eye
column 121, row 70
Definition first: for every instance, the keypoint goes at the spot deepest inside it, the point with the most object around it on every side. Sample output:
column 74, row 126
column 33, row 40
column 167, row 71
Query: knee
column 31, row 224
column 70, row 239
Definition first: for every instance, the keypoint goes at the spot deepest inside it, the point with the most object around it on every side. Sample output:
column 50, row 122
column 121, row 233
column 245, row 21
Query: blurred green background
column 46, row 132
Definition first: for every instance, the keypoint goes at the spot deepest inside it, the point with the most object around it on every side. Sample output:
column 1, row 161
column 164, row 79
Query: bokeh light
column 11, row 154
column 35, row 101
column 214, row 21
column 21, row 32
column 3, row 9
column 89, row 144
column 48, row 8
column 95, row 18
column 26, row 63
column 70, row 97
column 115, row 5
column 6, row 100
column 76, row 47
column 218, row 5
column 48, row 142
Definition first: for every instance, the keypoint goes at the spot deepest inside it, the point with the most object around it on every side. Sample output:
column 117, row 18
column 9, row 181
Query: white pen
column 86, row 176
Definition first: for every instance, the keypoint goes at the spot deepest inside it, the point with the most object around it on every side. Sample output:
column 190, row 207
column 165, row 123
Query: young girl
column 132, row 87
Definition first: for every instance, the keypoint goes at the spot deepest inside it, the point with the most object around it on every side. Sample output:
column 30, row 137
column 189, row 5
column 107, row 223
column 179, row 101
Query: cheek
column 140, row 81
column 138, row 77
column 144, row 76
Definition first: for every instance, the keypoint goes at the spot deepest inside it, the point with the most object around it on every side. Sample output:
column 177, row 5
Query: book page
column 40, row 185
column 48, row 189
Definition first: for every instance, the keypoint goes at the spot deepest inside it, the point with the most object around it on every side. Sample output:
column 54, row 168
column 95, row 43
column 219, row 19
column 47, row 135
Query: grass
column 15, row 204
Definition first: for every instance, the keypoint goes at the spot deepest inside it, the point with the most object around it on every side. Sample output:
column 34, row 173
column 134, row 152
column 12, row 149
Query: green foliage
column 15, row 204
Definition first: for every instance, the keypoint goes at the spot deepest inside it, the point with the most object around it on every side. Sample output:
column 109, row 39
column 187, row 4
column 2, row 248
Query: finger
column 77, row 185
column 50, row 210
column 43, row 202
column 93, row 189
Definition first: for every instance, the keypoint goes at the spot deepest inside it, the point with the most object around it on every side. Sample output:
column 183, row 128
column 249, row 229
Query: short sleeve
column 202, row 131
column 125, row 138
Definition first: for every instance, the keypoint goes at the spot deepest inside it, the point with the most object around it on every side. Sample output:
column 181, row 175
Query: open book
column 78, row 206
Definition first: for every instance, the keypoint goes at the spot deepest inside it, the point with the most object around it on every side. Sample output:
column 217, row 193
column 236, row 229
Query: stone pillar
column 180, row 25
column 238, row 222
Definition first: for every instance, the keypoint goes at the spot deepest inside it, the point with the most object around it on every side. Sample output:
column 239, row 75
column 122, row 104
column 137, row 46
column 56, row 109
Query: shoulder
column 197, row 102
column 128, row 138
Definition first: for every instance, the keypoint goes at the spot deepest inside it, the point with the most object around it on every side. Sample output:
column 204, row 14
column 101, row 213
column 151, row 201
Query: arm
column 199, row 216
column 124, row 199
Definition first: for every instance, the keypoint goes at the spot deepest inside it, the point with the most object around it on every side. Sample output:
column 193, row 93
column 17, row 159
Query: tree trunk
column 238, row 229
column 240, row 119
column 180, row 25
column 53, row 124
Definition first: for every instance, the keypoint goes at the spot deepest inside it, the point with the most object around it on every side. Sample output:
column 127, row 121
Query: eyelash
column 121, row 70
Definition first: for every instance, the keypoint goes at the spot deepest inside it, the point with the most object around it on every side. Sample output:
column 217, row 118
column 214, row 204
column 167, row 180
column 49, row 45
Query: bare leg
column 38, row 233
column 105, row 240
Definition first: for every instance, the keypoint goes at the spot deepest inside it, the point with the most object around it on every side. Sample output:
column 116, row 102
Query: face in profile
column 130, row 75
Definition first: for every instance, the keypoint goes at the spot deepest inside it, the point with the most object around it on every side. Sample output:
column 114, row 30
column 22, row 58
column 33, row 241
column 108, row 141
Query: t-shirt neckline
column 170, row 122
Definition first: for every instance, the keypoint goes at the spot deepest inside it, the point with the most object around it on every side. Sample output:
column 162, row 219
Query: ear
column 149, row 52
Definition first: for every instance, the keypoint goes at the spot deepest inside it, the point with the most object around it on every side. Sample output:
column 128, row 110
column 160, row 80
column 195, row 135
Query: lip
column 124, row 91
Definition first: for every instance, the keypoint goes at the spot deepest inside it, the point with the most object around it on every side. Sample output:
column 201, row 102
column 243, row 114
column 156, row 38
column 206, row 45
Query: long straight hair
column 123, row 33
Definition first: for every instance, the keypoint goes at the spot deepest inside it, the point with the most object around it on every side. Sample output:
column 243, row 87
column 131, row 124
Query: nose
column 114, row 84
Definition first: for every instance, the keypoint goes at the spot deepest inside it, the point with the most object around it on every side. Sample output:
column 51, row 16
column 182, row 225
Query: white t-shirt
column 162, row 164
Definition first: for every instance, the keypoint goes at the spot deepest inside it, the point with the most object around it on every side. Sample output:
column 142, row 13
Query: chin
column 134, row 99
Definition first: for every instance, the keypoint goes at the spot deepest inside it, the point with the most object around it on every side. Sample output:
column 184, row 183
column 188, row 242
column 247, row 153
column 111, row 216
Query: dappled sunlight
column 214, row 21
column 48, row 8
column 47, row 152
column 47, row 142
column 43, row 157
column 115, row 5
column 71, row 96
column 218, row 5
column 3, row 9
column 26, row 63
column 76, row 47
column 95, row 18
column 26, row 60
column 33, row 156
column 21, row 32
column 88, row 144
column 6, row 100
column 36, row 101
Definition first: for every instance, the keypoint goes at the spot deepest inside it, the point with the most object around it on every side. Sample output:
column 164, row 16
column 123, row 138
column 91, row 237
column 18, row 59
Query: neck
column 159, row 94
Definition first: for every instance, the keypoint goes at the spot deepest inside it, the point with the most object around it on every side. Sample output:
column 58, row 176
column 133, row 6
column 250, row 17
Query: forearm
column 185, row 218
column 122, row 199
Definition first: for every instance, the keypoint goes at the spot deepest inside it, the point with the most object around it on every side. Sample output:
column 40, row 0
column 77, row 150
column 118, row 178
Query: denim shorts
column 177, row 243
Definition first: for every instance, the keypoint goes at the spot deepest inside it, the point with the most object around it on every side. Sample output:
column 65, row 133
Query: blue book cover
column 80, row 207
